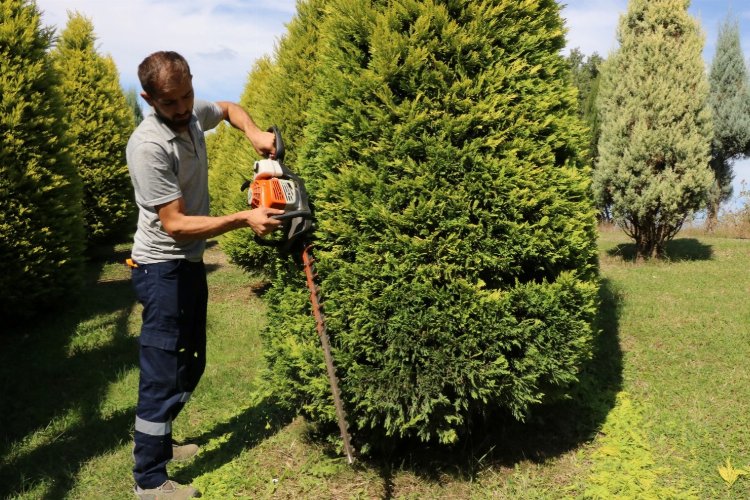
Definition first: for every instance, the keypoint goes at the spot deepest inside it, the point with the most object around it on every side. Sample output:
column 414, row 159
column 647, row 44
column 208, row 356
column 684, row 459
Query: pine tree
column 655, row 124
column 99, row 122
column 456, row 236
column 729, row 99
column 41, row 224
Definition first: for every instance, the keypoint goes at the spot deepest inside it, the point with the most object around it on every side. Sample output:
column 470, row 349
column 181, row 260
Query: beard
column 174, row 123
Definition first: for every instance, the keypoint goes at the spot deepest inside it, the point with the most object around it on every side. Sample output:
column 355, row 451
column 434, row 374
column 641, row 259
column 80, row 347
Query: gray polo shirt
column 164, row 166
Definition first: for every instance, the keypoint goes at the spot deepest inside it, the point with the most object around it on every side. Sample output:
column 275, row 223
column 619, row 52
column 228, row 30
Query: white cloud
column 592, row 24
column 221, row 39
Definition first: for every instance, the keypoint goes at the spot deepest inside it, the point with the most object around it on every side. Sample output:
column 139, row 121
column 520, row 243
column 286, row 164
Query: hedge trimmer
column 275, row 186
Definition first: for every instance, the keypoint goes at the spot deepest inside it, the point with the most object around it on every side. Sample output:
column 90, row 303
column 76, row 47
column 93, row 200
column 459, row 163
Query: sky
column 221, row 39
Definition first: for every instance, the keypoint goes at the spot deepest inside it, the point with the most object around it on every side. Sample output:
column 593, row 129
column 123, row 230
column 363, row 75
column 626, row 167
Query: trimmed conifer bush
column 99, row 122
column 455, row 231
column 231, row 158
column 41, row 223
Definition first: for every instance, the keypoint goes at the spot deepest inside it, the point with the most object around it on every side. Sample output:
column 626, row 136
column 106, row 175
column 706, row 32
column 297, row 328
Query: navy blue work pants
column 174, row 296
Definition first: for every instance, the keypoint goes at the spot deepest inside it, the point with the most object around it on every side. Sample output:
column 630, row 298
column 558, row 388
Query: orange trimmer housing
column 273, row 193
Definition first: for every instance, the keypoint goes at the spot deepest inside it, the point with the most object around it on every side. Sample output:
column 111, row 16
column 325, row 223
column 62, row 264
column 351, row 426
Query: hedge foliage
column 455, row 231
column 99, row 122
column 41, row 223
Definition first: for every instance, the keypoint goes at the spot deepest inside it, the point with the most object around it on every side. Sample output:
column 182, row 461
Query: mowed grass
column 659, row 408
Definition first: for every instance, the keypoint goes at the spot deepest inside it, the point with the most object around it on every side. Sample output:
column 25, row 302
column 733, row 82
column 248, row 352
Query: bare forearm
column 239, row 118
column 194, row 227
column 263, row 142
column 181, row 226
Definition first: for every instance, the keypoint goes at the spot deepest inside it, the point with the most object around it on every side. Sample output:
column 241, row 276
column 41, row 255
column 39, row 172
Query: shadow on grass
column 241, row 432
column 56, row 370
column 550, row 432
column 680, row 249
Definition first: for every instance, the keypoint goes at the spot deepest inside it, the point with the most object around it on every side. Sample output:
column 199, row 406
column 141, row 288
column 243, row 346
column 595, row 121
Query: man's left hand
column 264, row 144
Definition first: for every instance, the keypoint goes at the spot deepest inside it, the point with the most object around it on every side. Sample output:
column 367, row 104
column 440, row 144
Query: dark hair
column 161, row 65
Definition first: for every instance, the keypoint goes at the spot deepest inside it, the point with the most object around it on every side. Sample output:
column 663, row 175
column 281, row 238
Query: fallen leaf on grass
column 729, row 474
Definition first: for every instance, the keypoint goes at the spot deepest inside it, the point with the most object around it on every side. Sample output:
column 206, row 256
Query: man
column 168, row 166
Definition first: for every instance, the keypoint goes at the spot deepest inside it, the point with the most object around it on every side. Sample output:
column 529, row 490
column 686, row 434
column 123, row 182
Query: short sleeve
column 154, row 179
column 209, row 113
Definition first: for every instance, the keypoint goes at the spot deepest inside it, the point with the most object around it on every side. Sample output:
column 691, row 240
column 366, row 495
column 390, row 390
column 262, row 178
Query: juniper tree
column 99, row 122
column 41, row 223
column 655, row 124
column 456, row 236
column 729, row 99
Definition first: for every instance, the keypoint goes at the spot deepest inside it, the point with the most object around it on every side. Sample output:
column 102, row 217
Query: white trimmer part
column 265, row 169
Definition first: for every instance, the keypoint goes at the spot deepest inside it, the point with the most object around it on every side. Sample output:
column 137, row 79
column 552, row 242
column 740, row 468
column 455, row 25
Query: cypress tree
column 655, row 124
column 277, row 92
column 41, row 223
column 132, row 98
column 729, row 99
column 456, row 236
column 231, row 158
column 99, row 122
column 585, row 72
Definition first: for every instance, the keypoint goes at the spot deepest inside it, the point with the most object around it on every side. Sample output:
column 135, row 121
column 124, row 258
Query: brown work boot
column 182, row 452
column 167, row 491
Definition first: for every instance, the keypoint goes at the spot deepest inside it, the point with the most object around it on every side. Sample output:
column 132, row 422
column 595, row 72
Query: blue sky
column 222, row 38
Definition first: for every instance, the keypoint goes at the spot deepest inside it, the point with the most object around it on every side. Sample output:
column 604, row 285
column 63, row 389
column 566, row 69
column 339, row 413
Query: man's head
column 168, row 87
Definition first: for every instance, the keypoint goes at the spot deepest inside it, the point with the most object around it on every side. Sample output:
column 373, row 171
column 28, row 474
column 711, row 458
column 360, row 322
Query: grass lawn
column 659, row 408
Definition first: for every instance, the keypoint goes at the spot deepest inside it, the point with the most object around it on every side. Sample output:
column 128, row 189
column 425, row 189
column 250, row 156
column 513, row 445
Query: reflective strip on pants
column 153, row 428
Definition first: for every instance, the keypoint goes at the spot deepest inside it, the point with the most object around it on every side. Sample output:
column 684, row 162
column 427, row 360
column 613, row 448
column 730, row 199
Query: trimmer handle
column 291, row 215
column 279, row 143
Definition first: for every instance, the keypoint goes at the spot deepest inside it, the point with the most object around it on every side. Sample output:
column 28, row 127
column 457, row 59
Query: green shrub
column 231, row 158
column 99, row 122
column 41, row 224
column 456, row 235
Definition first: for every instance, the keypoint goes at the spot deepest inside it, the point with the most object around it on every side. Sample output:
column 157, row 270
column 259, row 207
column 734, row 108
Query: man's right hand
column 260, row 220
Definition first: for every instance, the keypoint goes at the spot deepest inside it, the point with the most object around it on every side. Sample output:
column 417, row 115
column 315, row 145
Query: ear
column 147, row 98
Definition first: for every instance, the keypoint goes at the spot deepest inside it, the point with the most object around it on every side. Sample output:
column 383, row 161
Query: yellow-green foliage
column 624, row 461
column 231, row 158
column 41, row 224
column 278, row 92
column 456, row 238
column 99, row 122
